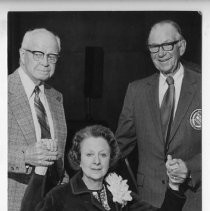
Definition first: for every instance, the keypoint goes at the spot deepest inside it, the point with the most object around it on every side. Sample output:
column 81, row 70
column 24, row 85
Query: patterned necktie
column 167, row 110
column 41, row 115
column 51, row 178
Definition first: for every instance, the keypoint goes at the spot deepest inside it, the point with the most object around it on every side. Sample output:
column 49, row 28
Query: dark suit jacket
column 74, row 196
column 139, row 123
column 21, row 133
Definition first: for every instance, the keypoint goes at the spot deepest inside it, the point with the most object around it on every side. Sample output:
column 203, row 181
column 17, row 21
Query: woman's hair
column 74, row 155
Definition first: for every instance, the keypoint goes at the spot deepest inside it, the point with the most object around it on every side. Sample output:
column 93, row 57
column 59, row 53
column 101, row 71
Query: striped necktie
column 51, row 178
column 41, row 115
column 167, row 110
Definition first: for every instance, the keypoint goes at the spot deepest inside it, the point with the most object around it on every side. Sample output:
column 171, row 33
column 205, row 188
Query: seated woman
column 93, row 152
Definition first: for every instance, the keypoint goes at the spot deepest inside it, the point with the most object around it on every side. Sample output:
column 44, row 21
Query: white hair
column 170, row 22
column 30, row 33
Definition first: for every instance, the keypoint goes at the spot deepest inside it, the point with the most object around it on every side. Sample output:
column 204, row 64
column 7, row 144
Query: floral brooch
column 119, row 189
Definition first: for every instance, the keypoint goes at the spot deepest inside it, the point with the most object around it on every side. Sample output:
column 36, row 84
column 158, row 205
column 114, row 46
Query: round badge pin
column 196, row 119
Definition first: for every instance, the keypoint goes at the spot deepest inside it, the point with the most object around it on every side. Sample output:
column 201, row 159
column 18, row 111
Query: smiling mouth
column 164, row 60
column 45, row 71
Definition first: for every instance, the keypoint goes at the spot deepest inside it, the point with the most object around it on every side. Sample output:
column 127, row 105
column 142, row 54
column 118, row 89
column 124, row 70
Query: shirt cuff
column 40, row 170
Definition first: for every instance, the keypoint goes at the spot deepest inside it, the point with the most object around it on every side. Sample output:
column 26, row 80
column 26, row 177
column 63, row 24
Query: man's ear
column 182, row 47
column 22, row 55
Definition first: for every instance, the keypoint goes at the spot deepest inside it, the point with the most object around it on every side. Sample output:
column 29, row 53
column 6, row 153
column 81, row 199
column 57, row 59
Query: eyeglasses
column 168, row 46
column 39, row 55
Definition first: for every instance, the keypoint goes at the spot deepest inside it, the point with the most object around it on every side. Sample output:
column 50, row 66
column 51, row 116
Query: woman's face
column 95, row 157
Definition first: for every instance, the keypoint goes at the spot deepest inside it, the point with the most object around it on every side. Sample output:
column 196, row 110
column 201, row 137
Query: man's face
column 42, row 69
column 166, row 61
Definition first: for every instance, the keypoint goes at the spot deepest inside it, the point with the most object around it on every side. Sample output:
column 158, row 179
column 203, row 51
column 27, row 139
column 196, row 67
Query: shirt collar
column 177, row 76
column 28, row 84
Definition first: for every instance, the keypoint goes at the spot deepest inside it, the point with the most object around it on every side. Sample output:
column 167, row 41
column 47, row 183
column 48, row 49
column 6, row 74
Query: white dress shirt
column 163, row 86
column 29, row 86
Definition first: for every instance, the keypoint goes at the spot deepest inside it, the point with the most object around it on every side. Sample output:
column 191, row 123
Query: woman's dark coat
column 74, row 196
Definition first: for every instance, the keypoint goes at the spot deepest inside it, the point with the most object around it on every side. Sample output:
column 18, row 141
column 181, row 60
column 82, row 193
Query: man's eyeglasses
column 169, row 46
column 39, row 55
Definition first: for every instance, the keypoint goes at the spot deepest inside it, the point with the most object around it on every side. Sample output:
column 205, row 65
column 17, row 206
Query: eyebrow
column 103, row 150
column 44, row 52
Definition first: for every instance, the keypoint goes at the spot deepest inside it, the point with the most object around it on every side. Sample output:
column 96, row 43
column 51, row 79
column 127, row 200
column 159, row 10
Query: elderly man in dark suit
column 36, row 121
column 162, row 115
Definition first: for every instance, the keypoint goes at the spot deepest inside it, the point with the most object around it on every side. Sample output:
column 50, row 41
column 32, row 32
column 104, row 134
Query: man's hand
column 42, row 153
column 176, row 170
column 51, row 145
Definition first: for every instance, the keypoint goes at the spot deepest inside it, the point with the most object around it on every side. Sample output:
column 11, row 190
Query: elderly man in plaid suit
column 36, row 121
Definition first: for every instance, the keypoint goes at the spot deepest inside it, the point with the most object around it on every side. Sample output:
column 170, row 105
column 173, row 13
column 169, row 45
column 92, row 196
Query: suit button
column 12, row 168
column 163, row 182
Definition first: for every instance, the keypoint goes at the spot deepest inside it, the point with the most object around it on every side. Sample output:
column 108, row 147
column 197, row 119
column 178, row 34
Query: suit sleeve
column 16, row 147
column 33, row 199
column 174, row 201
column 47, row 204
column 33, row 193
column 194, row 166
column 125, row 134
column 194, row 163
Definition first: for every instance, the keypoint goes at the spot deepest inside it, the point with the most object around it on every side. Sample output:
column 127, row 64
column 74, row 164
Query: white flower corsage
column 119, row 189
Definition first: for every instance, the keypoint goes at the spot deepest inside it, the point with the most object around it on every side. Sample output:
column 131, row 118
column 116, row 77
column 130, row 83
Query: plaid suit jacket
column 21, row 133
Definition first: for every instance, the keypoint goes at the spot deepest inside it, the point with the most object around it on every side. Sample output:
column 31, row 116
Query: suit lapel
column 185, row 99
column 153, row 103
column 20, row 107
column 54, row 105
column 52, row 102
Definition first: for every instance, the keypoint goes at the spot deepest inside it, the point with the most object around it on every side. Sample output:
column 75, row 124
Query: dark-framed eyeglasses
column 39, row 55
column 168, row 46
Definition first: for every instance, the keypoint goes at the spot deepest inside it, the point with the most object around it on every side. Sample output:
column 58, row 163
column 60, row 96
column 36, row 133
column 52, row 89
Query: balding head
column 168, row 25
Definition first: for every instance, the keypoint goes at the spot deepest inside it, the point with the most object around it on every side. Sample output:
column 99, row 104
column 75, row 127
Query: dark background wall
column 121, row 35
